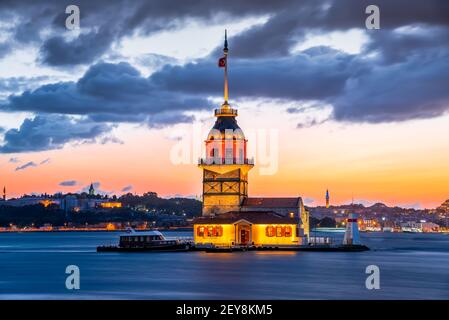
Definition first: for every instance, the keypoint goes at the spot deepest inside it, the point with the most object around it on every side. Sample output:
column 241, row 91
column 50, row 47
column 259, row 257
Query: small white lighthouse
column 352, row 231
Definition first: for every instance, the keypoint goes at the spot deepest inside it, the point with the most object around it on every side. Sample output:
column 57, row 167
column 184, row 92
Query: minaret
column 327, row 198
column 4, row 193
column 226, row 166
column 91, row 190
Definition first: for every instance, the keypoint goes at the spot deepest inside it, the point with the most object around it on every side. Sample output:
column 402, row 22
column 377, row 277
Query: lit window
column 214, row 231
column 269, row 231
column 288, row 231
column 200, row 231
column 210, row 231
column 279, row 231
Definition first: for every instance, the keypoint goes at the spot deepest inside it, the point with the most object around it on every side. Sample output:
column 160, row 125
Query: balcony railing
column 225, row 112
column 220, row 161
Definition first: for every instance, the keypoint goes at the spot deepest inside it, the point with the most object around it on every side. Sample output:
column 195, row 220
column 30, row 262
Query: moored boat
column 138, row 241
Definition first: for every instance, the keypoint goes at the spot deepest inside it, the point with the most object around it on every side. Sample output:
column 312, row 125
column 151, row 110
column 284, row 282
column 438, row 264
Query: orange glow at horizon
column 405, row 164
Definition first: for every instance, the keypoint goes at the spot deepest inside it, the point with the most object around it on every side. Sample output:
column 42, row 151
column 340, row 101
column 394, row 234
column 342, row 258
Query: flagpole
column 225, row 51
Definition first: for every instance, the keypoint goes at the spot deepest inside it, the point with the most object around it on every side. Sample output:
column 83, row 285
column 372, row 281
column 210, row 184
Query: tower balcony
column 229, row 112
column 221, row 161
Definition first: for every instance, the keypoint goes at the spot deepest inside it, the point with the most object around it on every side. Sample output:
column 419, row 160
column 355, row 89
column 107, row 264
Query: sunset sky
column 361, row 112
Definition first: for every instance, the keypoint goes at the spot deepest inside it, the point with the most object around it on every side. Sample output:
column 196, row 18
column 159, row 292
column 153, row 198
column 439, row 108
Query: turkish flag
column 222, row 62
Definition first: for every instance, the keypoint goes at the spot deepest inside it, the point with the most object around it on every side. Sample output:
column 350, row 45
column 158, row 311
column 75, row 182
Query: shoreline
column 168, row 229
column 92, row 230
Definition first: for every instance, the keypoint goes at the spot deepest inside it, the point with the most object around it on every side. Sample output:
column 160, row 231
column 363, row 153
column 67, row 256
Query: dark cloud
column 87, row 47
column 127, row 188
column 410, row 90
column 405, row 79
column 359, row 88
column 50, row 132
column 18, row 84
column 308, row 75
column 30, row 164
column 294, row 110
column 310, row 123
column 14, row 160
column 45, row 161
column 68, row 183
column 110, row 93
column 412, row 42
column 103, row 22
column 5, row 48
column 288, row 24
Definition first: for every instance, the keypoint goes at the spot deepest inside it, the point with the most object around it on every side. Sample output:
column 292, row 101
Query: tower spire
column 226, row 90
column 4, row 193
column 226, row 41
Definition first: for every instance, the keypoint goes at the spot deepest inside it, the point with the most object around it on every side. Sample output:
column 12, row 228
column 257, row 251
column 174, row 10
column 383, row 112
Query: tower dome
column 226, row 128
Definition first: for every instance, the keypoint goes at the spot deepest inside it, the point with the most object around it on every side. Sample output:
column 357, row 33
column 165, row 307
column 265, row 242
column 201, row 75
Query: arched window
column 269, row 231
column 229, row 156
column 200, row 231
column 279, row 231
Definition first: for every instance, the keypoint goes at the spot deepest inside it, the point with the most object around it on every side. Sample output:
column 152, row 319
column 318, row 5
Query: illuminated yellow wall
column 220, row 203
column 259, row 236
column 225, row 240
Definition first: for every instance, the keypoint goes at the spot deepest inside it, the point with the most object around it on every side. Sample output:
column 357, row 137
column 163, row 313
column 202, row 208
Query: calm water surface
column 32, row 266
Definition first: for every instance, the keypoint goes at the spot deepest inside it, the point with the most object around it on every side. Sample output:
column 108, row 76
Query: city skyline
column 352, row 112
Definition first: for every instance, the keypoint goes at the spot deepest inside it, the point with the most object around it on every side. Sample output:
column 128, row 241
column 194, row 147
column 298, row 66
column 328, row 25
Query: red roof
column 272, row 202
column 256, row 217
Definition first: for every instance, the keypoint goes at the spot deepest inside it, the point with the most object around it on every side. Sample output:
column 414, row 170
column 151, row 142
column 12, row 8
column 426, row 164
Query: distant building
column 367, row 224
column 91, row 190
column 73, row 202
column 429, row 227
column 70, row 203
column 444, row 207
column 31, row 200
column 327, row 199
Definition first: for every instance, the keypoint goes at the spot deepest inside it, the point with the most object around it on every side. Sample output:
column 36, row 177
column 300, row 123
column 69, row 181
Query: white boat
column 152, row 240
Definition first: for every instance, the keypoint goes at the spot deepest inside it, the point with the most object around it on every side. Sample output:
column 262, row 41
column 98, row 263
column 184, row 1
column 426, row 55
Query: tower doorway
column 243, row 230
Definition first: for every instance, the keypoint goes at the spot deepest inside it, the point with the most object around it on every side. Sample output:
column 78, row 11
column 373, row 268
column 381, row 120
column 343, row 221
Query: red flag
column 222, row 62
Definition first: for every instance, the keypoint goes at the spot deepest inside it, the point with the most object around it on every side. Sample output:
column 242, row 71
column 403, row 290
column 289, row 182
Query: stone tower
column 226, row 166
